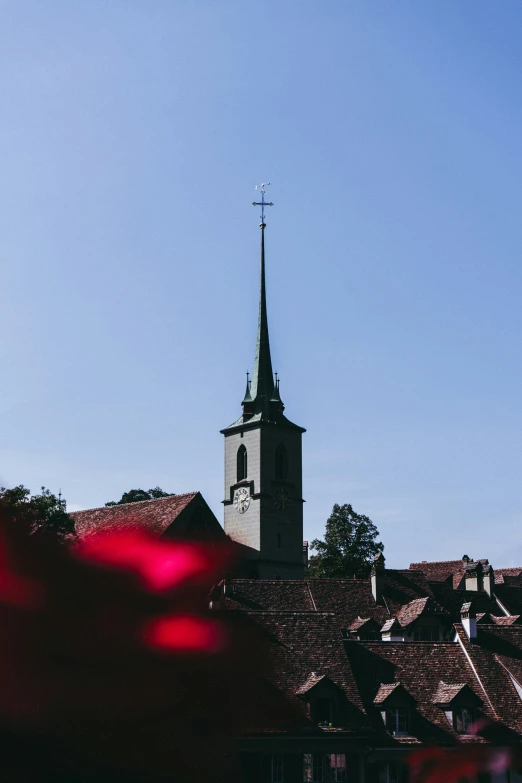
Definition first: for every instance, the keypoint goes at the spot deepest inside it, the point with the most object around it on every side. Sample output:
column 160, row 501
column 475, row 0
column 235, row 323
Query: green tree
column 349, row 545
column 137, row 495
column 43, row 513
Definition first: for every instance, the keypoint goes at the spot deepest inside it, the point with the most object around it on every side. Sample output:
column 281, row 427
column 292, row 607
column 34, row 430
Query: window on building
column 324, row 767
column 281, row 462
column 397, row 720
column 463, row 719
column 321, row 711
column 393, row 772
column 279, row 541
column 426, row 633
column 241, row 463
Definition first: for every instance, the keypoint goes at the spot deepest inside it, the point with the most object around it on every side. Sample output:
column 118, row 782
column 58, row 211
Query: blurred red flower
column 111, row 665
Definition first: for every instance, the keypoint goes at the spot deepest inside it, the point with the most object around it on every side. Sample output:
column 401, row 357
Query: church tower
column 263, row 465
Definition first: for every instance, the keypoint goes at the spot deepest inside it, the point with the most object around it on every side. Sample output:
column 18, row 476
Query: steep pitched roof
column 447, row 692
column 152, row 515
column 495, row 654
column 419, row 668
column 412, row 611
column 299, row 643
column 452, row 600
column 444, row 570
column 510, row 575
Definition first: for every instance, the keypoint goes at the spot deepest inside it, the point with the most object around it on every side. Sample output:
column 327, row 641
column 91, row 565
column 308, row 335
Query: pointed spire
column 247, row 397
column 262, row 386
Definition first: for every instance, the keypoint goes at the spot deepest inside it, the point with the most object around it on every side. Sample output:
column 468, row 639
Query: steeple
column 263, row 499
column 262, row 387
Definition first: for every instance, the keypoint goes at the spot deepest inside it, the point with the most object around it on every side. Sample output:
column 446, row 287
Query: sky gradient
column 132, row 134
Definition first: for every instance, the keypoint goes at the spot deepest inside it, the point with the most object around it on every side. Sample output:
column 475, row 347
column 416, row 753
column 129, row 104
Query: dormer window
column 397, row 720
column 242, row 464
column 395, row 704
column 463, row 719
column 321, row 711
column 323, row 698
column 460, row 703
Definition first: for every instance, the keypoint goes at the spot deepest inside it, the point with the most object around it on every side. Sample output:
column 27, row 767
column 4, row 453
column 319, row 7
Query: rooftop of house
column 315, row 630
column 152, row 515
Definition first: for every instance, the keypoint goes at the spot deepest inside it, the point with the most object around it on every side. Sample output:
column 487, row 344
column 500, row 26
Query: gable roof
column 447, row 692
column 362, row 621
column 385, row 690
column 412, row 611
column 313, row 680
column 152, row 515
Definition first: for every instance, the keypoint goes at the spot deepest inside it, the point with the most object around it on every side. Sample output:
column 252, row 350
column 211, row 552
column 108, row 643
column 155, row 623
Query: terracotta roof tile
column 495, row 654
column 419, row 668
column 511, row 575
column 310, row 683
column 385, row 691
column 446, row 570
column 445, row 692
column 153, row 515
column 306, row 647
column 269, row 595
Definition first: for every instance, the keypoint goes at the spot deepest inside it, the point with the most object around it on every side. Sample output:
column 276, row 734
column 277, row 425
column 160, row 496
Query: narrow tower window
column 281, row 462
column 241, row 463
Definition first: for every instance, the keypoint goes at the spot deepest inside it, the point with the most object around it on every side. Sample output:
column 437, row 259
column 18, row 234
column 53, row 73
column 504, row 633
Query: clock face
column 282, row 499
column 241, row 500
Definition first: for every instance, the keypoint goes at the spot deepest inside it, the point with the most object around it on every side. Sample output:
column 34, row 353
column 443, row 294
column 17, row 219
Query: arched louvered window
column 281, row 462
column 241, row 463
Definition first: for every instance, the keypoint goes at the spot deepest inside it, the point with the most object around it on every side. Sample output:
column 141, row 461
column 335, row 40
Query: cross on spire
column 262, row 203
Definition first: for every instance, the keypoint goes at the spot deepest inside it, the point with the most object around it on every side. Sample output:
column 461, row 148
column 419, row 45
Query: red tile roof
column 444, row 570
column 512, row 574
column 410, row 612
column 385, row 691
column 445, row 692
column 304, row 645
column 497, row 652
column 313, row 680
column 153, row 515
column 419, row 668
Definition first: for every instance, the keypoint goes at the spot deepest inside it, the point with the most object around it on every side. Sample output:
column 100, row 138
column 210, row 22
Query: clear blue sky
column 132, row 134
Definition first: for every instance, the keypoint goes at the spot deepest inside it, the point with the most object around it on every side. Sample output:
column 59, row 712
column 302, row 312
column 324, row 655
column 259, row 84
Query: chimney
column 377, row 577
column 488, row 579
column 468, row 618
column 305, row 555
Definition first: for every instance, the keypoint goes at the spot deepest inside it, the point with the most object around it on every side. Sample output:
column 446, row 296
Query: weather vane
column 262, row 203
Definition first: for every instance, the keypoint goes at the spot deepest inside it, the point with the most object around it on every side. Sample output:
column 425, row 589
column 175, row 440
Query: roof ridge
column 134, row 503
